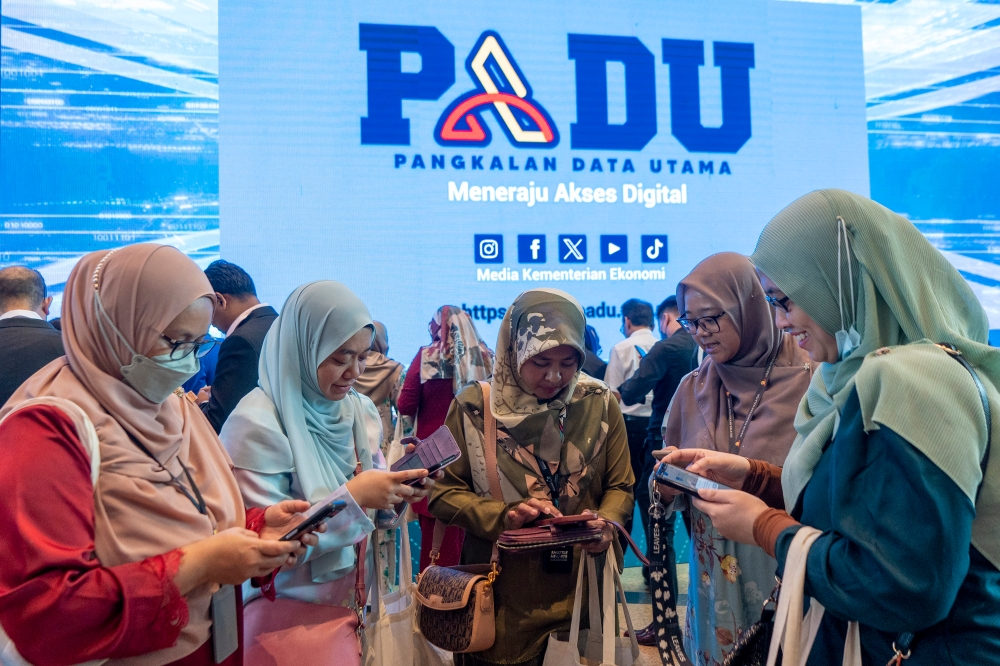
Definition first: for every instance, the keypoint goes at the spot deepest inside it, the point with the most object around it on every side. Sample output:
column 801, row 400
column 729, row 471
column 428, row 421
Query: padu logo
column 502, row 88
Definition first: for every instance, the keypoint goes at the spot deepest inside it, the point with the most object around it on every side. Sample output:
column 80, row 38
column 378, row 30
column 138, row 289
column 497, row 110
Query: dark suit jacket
column 660, row 370
column 25, row 346
column 236, row 370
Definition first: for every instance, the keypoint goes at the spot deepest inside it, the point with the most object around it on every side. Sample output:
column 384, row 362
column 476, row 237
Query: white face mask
column 153, row 378
column 848, row 338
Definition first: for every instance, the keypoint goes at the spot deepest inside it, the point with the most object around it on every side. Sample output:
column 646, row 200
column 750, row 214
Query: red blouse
column 57, row 603
column 428, row 401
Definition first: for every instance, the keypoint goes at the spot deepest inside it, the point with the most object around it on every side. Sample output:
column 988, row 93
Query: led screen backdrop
column 342, row 132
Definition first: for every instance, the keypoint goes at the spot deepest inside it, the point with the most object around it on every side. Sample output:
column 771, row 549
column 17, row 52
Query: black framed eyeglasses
column 708, row 324
column 182, row 348
column 777, row 303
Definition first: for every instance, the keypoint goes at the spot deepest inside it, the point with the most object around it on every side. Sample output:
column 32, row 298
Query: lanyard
column 735, row 442
column 553, row 481
column 195, row 499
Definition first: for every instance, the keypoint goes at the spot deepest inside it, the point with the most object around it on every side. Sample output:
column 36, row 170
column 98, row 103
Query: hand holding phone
column 687, row 482
column 320, row 512
column 433, row 454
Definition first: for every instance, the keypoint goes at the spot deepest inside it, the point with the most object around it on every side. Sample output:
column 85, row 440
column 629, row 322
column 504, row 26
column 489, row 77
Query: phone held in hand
column 319, row 512
column 687, row 482
column 433, row 454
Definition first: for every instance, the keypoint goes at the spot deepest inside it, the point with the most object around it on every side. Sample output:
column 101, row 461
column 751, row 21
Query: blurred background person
column 455, row 357
column 661, row 370
column 623, row 362
column 245, row 321
column 741, row 400
column 27, row 341
column 593, row 365
column 382, row 381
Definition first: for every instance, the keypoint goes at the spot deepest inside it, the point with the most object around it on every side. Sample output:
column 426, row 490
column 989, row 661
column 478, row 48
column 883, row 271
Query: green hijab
column 867, row 276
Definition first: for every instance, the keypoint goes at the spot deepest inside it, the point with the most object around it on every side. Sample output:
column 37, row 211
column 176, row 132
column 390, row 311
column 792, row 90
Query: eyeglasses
column 708, row 324
column 182, row 348
column 777, row 303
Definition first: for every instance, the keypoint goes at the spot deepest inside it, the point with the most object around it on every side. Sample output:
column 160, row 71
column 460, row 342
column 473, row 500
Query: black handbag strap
column 904, row 641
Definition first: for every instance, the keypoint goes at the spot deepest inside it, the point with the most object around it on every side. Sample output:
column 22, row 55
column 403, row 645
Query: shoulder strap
column 985, row 461
column 490, row 444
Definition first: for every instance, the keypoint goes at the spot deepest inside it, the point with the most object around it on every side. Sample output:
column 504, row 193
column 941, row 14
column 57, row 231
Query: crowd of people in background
column 838, row 381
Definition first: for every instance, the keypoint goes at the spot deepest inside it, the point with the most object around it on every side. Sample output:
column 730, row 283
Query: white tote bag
column 392, row 637
column 793, row 633
column 9, row 655
column 596, row 647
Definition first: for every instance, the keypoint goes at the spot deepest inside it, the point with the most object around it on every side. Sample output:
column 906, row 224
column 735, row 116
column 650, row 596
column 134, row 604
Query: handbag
column 598, row 644
column 753, row 645
column 288, row 632
column 456, row 603
column 392, row 637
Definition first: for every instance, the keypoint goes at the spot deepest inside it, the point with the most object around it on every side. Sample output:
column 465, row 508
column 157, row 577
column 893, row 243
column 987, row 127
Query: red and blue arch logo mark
column 502, row 88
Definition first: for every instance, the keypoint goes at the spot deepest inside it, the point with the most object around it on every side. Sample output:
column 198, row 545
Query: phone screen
column 685, row 481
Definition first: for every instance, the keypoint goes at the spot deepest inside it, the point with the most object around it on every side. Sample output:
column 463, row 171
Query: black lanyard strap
column 735, row 442
column 553, row 481
column 196, row 499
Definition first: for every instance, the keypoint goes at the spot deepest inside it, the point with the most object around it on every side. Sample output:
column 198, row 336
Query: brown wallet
column 562, row 531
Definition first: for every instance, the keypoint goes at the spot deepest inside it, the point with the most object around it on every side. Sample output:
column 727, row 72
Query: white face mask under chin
column 848, row 339
column 157, row 377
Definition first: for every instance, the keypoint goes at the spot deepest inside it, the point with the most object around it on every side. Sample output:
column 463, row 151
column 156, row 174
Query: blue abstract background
column 109, row 128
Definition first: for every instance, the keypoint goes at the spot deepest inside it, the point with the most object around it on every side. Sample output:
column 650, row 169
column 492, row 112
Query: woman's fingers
column 684, row 457
column 294, row 506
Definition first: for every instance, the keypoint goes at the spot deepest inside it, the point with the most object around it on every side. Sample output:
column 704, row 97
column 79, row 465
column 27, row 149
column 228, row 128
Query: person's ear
column 46, row 304
column 220, row 301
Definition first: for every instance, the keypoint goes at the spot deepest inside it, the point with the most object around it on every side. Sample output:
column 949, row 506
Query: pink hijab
column 137, row 513
column 699, row 416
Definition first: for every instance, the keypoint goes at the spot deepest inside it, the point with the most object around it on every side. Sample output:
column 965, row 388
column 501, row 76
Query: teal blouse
column 895, row 554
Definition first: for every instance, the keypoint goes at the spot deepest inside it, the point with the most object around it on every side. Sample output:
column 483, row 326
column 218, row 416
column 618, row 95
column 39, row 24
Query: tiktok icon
column 654, row 249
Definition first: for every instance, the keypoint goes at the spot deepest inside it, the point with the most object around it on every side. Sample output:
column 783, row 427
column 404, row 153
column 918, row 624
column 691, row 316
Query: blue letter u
column 735, row 60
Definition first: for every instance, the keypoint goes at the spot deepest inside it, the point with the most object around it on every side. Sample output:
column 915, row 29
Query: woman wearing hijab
column 382, row 381
column 120, row 518
column 741, row 400
column 306, row 433
column 548, row 414
column 455, row 357
column 889, row 460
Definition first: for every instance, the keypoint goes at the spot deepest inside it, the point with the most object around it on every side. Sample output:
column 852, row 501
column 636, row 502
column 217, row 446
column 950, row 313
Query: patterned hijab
column 456, row 351
column 835, row 252
column 699, row 412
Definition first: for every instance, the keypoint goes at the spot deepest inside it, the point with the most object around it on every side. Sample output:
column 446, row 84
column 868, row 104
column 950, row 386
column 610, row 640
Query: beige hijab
column 699, row 413
column 137, row 513
column 381, row 372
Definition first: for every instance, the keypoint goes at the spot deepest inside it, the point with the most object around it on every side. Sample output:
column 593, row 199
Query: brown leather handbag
column 456, row 603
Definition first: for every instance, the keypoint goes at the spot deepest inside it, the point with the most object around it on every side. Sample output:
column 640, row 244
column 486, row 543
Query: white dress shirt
column 623, row 363
column 30, row 314
column 239, row 320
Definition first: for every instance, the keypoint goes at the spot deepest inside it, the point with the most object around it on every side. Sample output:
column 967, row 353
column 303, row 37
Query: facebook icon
column 531, row 249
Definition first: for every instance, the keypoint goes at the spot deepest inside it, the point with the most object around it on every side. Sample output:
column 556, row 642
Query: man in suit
column 245, row 321
column 27, row 341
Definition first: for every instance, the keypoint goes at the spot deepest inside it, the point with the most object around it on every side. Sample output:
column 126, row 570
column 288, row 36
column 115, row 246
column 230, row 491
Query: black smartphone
column 317, row 514
column 687, row 482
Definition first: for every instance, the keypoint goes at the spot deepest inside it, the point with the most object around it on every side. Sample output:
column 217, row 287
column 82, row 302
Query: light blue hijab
column 327, row 438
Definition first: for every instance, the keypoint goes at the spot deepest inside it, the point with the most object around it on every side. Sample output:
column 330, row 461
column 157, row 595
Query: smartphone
column 433, row 454
column 685, row 481
column 319, row 512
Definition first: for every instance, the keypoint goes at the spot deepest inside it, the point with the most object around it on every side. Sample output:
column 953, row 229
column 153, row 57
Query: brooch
column 882, row 351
